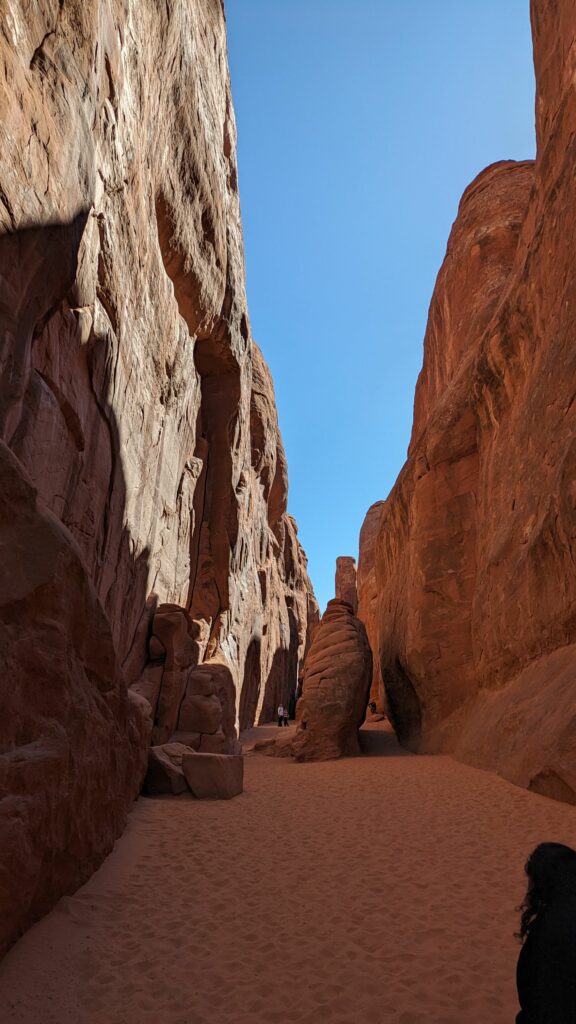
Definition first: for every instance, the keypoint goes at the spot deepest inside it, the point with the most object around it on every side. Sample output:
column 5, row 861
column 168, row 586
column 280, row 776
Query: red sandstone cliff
column 368, row 594
column 474, row 560
column 134, row 402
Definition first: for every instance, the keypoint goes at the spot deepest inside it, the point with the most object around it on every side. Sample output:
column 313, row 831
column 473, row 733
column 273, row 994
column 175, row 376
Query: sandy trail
column 372, row 889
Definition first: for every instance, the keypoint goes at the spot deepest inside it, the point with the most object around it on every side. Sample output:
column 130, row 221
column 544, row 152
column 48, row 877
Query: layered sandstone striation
column 337, row 675
column 336, row 686
column 345, row 584
column 138, row 425
column 73, row 739
column 474, row 559
column 368, row 596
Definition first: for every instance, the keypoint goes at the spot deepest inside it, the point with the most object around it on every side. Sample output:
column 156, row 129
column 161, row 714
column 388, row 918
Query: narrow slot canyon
column 220, row 801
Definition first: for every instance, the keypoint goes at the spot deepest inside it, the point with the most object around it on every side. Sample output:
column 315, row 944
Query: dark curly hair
column 551, row 871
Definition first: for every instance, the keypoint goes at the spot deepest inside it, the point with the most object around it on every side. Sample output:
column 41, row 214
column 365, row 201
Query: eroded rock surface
column 337, row 676
column 72, row 738
column 368, row 597
column 165, row 773
column 345, row 587
column 133, row 397
column 474, row 561
column 214, row 776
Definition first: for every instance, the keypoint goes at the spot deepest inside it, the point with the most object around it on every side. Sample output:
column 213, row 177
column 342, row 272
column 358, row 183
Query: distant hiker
column 286, row 716
column 280, row 715
column 546, row 971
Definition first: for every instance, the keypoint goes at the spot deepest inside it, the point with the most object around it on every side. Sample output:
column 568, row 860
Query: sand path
column 373, row 889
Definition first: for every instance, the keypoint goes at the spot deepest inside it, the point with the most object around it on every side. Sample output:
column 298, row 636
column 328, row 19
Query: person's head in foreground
column 551, row 871
column 546, row 969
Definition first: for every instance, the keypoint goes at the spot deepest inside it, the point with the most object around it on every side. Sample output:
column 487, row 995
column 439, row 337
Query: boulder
column 200, row 713
column 148, row 686
column 165, row 769
column 214, row 776
column 189, row 739
column 219, row 743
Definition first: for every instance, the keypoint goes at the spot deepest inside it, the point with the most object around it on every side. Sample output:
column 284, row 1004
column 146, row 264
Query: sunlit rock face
column 138, row 421
column 368, row 593
column 345, row 582
column 474, row 558
column 336, row 685
column 337, row 675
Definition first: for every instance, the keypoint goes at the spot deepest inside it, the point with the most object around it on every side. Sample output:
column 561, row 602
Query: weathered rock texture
column 73, row 740
column 133, row 398
column 475, row 555
column 214, row 776
column 368, row 593
column 337, row 674
column 175, row 768
column 345, row 583
column 165, row 772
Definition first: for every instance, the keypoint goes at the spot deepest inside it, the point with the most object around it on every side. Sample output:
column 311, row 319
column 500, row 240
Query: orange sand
column 372, row 889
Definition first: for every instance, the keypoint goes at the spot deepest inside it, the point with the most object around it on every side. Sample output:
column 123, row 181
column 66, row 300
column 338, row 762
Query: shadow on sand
column 379, row 740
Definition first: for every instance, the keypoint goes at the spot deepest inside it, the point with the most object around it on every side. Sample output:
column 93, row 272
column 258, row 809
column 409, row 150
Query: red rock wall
column 73, row 739
column 474, row 561
column 131, row 393
column 368, row 595
column 345, row 583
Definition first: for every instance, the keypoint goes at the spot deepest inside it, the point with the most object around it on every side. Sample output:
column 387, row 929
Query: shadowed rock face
column 368, row 595
column 135, row 401
column 73, row 739
column 337, row 675
column 474, row 559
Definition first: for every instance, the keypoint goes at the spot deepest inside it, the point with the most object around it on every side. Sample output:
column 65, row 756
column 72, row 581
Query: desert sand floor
column 374, row 889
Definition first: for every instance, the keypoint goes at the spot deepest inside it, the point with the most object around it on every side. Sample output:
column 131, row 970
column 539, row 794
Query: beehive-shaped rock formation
column 337, row 676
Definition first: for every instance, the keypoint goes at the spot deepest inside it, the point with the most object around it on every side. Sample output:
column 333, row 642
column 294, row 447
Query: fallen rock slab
column 214, row 776
column 165, row 773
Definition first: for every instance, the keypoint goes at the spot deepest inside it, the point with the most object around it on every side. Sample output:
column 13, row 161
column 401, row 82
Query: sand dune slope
column 374, row 889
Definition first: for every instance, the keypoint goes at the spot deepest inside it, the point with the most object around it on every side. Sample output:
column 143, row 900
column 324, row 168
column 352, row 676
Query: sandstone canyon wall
column 368, row 591
column 471, row 593
column 142, row 474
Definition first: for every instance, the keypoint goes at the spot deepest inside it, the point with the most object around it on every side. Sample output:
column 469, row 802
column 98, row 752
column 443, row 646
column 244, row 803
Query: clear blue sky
column 360, row 123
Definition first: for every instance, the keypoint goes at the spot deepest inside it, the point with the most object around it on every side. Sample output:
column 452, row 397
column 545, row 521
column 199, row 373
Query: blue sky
column 360, row 123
